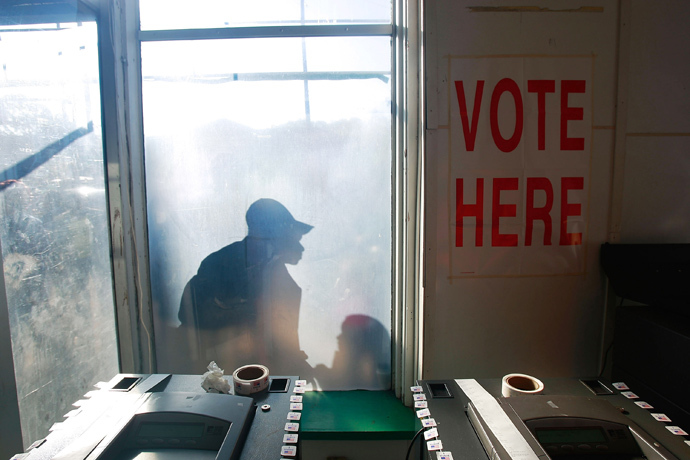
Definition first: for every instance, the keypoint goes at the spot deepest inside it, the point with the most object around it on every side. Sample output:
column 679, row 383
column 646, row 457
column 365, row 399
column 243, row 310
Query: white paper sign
column 519, row 158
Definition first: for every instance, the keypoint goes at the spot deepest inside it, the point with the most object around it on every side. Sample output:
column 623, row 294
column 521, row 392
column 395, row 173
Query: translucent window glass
column 203, row 14
column 53, row 219
column 268, row 173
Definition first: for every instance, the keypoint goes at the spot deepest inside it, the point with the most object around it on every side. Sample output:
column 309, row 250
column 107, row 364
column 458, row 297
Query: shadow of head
column 269, row 219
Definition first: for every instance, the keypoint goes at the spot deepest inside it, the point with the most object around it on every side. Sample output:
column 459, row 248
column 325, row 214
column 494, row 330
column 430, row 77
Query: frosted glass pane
column 202, row 14
column 314, row 302
column 54, row 221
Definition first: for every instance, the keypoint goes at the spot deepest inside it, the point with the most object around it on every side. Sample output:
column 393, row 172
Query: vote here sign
column 519, row 158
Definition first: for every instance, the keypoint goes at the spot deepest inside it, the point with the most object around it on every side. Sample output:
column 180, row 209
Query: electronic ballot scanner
column 169, row 417
column 170, row 426
column 570, row 419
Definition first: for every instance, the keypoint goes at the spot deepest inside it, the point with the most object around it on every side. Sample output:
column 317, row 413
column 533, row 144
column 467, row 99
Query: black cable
column 606, row 358
column 608, row 349
column 409, row 449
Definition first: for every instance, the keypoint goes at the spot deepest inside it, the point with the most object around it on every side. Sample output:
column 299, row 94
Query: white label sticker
column 428, row 422
column 629, row 395
column 678, row 431
column 620, row 386
column 687, row 442
column 290, row 438
column 644, row 405
column 300, row 383
column 292, row 426
column 288, row 451
column 423, row 413
column 299, row 390
column 444, row 456
column 420, row 404
column 296, row 406
column 416, row 389
column 296, row 398
column 434, row 445
column 430, row 434
column 419, row 397
column 661, row 417
column 294, row 415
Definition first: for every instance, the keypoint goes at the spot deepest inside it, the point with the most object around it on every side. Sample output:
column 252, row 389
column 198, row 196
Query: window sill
column 356, row 415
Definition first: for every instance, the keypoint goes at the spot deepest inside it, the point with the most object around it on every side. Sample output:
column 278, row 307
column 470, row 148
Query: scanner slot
column 126, row 384
column 279, row 385
column 439, row 390
column 596, row 387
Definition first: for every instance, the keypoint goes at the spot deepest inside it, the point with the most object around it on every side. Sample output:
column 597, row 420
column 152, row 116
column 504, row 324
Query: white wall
column 638, row 179
column 656, row 135
column 546, row 324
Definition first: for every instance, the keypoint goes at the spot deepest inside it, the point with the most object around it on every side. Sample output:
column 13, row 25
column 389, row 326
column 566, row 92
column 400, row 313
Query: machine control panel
column 567, row 436
column 177, row 430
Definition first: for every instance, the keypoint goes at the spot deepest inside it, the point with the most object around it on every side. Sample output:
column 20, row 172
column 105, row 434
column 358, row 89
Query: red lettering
column 542, row 213
column 502, row 210
column 541, row 87
column 470, row 131
column 509, row 85
column 463, row 210
column 571, row 113
column 570, row 210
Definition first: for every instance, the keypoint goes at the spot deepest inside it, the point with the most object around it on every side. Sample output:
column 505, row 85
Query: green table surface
column 356, row 415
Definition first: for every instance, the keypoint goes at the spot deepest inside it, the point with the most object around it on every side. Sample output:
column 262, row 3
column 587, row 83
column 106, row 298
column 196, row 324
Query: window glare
column 183, row 14
column 54, row 221
column 268, row 91
column 255, row 125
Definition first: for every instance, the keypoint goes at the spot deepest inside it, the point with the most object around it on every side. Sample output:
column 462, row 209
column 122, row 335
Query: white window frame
column 122, row 88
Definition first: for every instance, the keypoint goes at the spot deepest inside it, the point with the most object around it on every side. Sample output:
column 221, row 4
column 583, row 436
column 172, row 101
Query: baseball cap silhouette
column 267, row 218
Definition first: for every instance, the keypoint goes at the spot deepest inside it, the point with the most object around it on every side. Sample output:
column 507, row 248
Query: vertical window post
column 10, row 426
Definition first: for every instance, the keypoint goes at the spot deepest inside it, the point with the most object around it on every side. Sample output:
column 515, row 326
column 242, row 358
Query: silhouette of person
column 362, row 360
column 242, row 306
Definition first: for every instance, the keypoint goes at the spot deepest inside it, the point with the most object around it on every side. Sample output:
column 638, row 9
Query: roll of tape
column 521, row 384
column 249, row 379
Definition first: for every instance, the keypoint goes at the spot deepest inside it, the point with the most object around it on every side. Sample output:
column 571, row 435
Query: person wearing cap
column 242, row 306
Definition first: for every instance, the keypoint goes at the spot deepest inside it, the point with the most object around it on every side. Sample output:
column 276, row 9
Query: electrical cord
column 409, row 449
column 608, row 349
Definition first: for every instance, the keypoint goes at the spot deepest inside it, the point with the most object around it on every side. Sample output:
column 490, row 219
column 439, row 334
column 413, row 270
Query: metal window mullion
column 354, row 30
column 126, row 188
column 399, row 263
column 140, row 284
column 407, row 309
column 10, row 423
column 415, row 196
